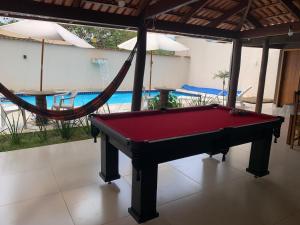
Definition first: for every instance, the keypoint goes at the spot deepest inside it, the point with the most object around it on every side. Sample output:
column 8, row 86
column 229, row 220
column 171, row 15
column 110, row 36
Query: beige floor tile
column 125, row 167
column 50, row 210
column 201, row 209
column 172, row 184
column 77, row 176
column 208, row 172
column 99, row 204
column 21, row 186
column 284, row 179
column 293, row 219
column 244, row 202
column 265, row 201
column 130, row 221
column 238, row 157
column 74, row 154
column 26, row 160
column 2, row 161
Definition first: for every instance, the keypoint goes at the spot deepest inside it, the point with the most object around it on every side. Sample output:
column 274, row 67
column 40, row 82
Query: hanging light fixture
column 290, row 32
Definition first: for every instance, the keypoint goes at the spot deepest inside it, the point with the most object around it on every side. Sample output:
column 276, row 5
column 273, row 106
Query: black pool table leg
column 109, row 161
column 144, row 191
column 259, row 156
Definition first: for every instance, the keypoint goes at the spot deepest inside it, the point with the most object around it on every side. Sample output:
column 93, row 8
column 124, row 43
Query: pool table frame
column 146, row 155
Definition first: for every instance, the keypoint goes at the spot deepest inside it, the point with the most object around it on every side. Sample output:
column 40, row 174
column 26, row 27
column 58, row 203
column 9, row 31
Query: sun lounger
column 211, row 95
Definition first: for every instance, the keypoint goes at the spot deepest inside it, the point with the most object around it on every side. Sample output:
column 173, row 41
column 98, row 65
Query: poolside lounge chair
column 64, row 101
column 8, row 108
column 240, row 96
column 211, row 95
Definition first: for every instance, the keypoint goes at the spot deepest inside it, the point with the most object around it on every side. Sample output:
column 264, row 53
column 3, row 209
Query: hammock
column 76, row 113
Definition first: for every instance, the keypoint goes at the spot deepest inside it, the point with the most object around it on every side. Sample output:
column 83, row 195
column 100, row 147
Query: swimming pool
column 120, row 97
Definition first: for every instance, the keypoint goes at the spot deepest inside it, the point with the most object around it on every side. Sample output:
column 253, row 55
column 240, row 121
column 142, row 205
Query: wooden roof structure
column 249, row 20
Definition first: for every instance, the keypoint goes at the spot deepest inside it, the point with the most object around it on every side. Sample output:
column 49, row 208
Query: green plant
column 65, row 128
column 101, row 37
column 223, row 75
column 85, row 124
column 14, row 128
column 42, row 133
column 173, row 102
column 32, row 140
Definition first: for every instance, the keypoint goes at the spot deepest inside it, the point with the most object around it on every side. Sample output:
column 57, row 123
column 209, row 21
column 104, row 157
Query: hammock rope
column 79, row 112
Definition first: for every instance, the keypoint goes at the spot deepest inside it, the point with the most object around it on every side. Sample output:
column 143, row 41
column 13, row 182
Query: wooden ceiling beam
column 244, row 17
column 291, row 7
column 282, row 40
column 142, row 7
column 254, row 21
column 41, row 11
column 193, row 30
column 267, row 6
column 107, row 4
column 195, row 7
column 76, row 3
column 165, row 6
column 216, row 22
column 276, row 30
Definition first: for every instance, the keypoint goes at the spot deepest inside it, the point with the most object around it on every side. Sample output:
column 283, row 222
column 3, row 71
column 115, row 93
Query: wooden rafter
column 108, row 3
column 267, row 6
column 37, row 10
column 292, row 8
column 194, row 30
column 276, row 30
column 283, row 40
column 77, row 3
column 165, row 6
column 228, row 14
column 244, row 17
column 254, row 21
column 142, row 7
column 195, row 7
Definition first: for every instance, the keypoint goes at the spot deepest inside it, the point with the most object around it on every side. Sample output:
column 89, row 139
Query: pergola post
column 262, row 76
column 139, row 68
column 234, row 72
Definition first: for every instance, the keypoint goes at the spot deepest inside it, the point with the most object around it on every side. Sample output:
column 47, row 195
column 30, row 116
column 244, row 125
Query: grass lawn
column 40, row 138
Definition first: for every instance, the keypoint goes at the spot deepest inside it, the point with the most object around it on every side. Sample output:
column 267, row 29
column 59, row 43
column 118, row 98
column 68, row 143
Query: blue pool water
column 84, row 97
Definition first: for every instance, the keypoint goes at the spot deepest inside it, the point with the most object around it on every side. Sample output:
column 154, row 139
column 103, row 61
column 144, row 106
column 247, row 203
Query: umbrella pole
column 151, row 63
column 42, row 64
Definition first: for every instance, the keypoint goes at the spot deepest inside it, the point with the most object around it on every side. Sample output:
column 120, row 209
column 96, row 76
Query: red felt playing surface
column 155, row 126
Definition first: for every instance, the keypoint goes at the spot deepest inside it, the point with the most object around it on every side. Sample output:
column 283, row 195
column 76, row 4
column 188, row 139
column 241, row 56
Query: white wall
column 69, row 68
column 209, row 57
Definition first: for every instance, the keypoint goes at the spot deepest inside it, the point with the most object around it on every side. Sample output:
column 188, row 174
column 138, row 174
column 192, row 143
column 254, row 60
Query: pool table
column 152, row 137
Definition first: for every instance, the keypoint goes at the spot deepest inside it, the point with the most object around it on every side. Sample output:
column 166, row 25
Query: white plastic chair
column 8, row 108
column 64, row 101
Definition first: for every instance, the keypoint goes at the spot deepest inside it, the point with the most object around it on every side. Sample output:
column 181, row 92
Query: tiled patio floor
column 59, row 185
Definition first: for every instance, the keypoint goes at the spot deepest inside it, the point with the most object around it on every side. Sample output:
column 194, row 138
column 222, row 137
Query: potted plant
column 223, row 75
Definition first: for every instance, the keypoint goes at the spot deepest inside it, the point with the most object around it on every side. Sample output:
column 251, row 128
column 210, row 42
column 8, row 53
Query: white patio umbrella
column 155, row 41
column 46, row 32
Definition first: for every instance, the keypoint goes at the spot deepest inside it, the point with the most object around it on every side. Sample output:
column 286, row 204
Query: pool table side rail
column 150, row 112
column 275, row 121
column 121, row 115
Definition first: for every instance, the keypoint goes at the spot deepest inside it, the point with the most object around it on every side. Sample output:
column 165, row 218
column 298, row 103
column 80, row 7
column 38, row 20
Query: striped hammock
column 79, row 112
